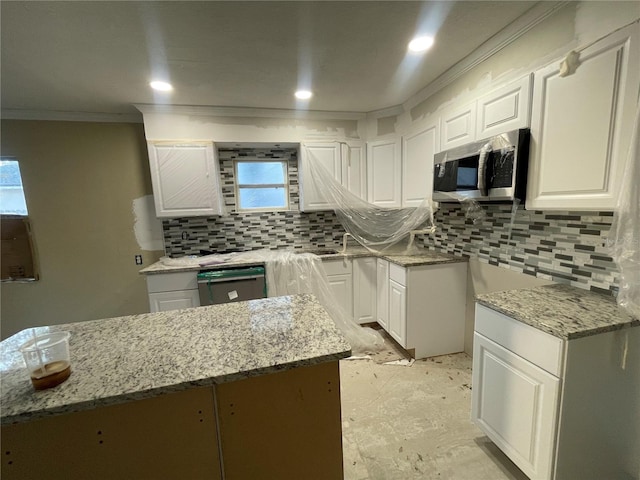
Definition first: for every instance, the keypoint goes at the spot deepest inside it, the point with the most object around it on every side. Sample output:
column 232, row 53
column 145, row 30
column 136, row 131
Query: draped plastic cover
column 289, row 273
column 624, row 237
column 378, row 229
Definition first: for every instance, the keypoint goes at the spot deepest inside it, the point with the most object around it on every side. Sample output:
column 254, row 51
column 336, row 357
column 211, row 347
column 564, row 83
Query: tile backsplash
column 567, row 247
column 240, row 231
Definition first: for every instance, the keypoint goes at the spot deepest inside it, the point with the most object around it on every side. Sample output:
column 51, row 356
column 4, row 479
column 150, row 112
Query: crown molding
column 211, row 111
column 386, row 112
column 55, row 115
column 505, row 37
column 537, row 14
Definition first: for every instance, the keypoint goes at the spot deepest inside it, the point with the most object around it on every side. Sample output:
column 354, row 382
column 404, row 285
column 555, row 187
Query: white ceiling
column 98, row 57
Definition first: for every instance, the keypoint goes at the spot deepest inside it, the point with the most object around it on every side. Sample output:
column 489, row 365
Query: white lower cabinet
column 559, row 409
column 423, row 307
column 364, row 289
column 514, row 402
column 339, row 274
column 382, row 293
column 172, row 291
column 398, row 312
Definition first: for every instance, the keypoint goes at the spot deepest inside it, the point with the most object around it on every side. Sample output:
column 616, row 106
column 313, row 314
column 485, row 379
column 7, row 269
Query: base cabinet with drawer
column 339, row 275
column 172, row 291
column 559, row 409
column 423, row 307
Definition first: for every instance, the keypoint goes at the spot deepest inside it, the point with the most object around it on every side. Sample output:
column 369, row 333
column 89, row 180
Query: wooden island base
column 284, row 425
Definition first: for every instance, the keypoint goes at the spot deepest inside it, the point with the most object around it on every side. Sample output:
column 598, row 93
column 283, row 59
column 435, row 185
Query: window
column 261, row 185
column 12, row 200
column 17, row 262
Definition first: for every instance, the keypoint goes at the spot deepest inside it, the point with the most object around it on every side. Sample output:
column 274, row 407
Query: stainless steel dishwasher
column 231, row 285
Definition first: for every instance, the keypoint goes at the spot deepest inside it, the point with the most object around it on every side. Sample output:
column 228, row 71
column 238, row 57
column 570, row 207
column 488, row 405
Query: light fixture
column 420, row 44
column 303, row 94
column 161, row 86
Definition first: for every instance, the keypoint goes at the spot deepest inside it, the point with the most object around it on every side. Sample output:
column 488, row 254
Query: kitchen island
column 241, row 390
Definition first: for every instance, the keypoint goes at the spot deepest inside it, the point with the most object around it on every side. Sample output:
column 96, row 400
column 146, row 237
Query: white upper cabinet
column 458, row 126
column 346, row 161
column 185, row 178
column 581, row 126
column 418, row 149
column 504, row 109
column 327, row 155
column 354, row 168
column 384, row 173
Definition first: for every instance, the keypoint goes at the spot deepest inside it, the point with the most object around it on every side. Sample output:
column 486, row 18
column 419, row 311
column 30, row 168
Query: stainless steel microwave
column 493, row 169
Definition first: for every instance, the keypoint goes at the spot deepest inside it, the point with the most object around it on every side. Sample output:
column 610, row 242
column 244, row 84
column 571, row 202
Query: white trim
column 56, row 115
column 386, row 112
column 502, row 39
column 495, row 44
column 211, row 111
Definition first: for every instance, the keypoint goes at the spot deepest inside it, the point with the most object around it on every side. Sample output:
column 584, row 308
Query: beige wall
column 80, row 181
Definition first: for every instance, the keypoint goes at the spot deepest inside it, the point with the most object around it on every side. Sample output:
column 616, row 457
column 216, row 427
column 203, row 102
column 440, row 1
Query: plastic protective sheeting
column 289, row 273
column 376, row 228
column 624, row 237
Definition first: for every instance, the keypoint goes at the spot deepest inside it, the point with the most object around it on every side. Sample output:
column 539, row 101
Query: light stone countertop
column 422, row 257
column 562, row 310
column 122, row 359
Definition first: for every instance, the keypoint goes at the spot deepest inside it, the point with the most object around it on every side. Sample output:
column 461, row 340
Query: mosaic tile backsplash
column 567, row 247
column 241, row 231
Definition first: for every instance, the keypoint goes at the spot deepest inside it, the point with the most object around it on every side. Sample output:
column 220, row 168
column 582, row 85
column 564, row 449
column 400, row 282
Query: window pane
column 12, row 200
column 256, row 173
column 262, row 197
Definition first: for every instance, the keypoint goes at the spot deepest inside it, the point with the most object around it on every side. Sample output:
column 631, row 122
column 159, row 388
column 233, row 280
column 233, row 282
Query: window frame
column 25, row 236
column 239, row 186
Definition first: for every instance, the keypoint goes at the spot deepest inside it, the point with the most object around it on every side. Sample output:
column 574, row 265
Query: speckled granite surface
column 424, row 259
column 129, row 358
column 562, row 310
column 228, row 260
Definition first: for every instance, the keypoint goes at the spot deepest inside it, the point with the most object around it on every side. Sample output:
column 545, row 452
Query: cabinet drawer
column 169, row 282
column 398, row 274
column 337, row 266
column 536, row 346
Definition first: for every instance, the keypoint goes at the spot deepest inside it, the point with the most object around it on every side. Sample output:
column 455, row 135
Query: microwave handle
column 482, row 169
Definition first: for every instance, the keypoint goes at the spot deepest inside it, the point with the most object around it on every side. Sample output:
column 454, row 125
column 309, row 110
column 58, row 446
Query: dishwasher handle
column 227, row 279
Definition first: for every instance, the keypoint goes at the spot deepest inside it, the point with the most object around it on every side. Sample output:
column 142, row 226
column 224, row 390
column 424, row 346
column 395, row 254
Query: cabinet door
column 354, row 171
column 384, row 173
column 382, row 287
column 581, row 126
column 326, row 155
column 504, row 109
column 418, row 149
column 364, row 289
column 398, row 312
column 515, row 403
column 458, row 126
column 185, row 179
column 341, row 286
column 161, row 302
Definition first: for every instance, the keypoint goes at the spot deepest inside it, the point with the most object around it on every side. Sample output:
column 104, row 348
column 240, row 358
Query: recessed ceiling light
column 303, row 94
column 161, row 86
column 420, row 44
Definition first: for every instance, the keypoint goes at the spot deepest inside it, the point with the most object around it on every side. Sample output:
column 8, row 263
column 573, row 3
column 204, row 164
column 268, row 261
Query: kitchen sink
column 319, row 251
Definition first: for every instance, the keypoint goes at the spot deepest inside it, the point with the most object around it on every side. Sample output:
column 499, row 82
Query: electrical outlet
column 138, row 259
column 185, row 235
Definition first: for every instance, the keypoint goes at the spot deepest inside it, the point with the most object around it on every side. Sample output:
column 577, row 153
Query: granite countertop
column 129, row 358
column 562, row 310
column 421, row 257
